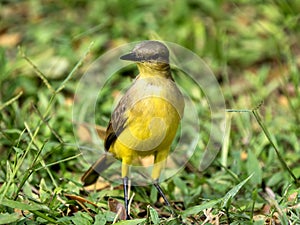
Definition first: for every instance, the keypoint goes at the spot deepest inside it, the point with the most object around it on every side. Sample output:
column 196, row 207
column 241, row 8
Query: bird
column 145, row 120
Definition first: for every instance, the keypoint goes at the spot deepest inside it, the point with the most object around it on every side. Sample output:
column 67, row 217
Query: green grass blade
column 268, row 135
column 198, row 208
column 11, row 100
column 232, row 193
column 23, row 206
column 130, row 222
column 7, row 218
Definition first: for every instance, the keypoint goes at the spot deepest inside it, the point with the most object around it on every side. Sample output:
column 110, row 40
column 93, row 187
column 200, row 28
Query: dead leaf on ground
column 117, row 207
column 79, row 199
column 10, row 40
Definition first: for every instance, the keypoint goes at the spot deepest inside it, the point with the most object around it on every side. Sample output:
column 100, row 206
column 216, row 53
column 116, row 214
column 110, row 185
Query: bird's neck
column 151, row 69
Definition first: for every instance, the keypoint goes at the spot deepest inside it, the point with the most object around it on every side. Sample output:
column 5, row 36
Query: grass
column 252, row 48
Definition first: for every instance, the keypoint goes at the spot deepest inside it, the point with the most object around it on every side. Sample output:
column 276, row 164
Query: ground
column 251, row 48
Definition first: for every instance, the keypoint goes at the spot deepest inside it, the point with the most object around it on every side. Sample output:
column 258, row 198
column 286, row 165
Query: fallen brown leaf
column 10, row 40
column 117, row 207
column 79, row 199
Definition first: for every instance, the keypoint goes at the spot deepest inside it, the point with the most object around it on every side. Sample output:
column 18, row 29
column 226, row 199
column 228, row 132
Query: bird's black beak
column 130, row 57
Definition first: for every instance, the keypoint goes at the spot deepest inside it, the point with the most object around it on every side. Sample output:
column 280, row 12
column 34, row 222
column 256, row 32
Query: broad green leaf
column 100, row 219
column 81, row 218
column 7, row 218
column 154, row 215
column 153, row 194
column 23, row 206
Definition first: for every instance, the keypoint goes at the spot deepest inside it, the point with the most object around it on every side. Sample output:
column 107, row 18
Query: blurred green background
column 251, row 46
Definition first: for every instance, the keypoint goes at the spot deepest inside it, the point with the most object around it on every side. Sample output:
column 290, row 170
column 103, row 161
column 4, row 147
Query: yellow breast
column 153, row 116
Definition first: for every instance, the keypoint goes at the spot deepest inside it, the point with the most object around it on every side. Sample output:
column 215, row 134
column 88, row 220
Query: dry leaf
column 117, row 207
column 79, row 199
column 10, row 40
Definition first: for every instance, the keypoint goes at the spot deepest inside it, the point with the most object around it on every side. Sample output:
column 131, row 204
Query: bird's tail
column 92, row 174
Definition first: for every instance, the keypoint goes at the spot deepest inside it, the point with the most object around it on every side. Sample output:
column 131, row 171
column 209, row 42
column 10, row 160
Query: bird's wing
column 118, row 121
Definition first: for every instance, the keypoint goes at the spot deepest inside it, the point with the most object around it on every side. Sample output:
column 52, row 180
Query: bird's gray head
column 148, row 51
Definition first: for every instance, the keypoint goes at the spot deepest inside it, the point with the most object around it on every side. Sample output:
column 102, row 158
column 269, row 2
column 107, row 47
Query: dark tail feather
column 92, row 174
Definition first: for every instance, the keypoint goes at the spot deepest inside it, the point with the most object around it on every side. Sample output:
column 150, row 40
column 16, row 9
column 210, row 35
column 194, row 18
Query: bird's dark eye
column 155, row 56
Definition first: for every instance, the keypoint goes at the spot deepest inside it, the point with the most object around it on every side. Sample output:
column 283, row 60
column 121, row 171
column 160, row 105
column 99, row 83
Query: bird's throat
column 154, row 69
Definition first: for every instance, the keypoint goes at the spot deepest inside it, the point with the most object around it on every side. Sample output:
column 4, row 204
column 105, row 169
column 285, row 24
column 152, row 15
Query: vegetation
column 252, row 48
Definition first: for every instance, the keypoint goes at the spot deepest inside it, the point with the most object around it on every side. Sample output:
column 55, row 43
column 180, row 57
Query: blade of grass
column 45, row 217
column 231, row 173
column 37, row 71
column 23, row 206
column 41, row 161
column 58, row 162
column 268, row 135
column 232, row 193
column 130, row 222
column 5, row 104
column 28, row 172
column 18, row 165
column 198, row 208
column 48, row 125
column 225, row 146
column 7, row 218
column 34, row 135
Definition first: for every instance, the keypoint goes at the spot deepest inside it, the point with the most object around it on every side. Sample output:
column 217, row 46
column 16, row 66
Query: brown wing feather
column 117, row 122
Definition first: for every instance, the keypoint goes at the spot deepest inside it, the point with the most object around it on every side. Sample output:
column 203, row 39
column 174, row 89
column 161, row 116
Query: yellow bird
column 146, row 118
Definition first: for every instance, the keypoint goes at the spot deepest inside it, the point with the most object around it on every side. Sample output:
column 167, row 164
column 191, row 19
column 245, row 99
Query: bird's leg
column 125, row 169
column 159, row 161
column 155, row 183
column 125, row 183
